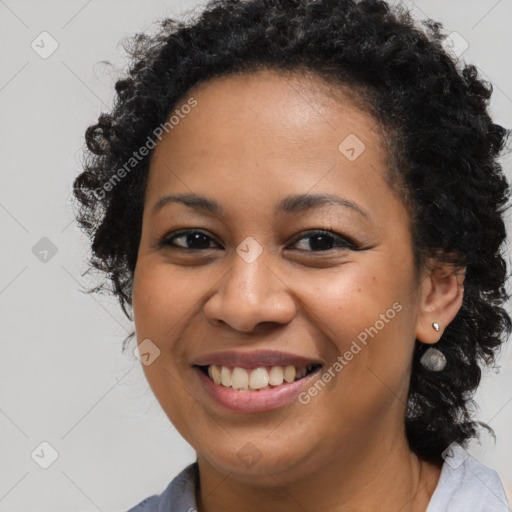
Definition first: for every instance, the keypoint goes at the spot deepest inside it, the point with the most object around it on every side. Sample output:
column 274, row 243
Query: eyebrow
column 290, row 204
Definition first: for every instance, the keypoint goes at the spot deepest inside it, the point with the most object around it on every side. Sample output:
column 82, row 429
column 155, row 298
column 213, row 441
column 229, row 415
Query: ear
column 442, row 291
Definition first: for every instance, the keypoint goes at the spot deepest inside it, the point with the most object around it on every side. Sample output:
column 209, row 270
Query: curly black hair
column 442, row 147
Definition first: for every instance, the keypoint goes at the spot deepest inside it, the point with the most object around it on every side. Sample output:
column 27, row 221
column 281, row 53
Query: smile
column 256, row 379
column 255, row 392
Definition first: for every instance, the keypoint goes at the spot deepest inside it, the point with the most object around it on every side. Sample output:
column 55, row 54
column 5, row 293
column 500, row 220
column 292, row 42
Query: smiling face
column 257, row 259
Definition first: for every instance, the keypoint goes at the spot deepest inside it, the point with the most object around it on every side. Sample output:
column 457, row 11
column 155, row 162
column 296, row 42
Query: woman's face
column 254, row 284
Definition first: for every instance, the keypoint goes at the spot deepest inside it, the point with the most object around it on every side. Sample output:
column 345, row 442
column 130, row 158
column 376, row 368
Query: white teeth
column 256, row 379
column 289, row 373
column 239, row 378
column 215, row 373
column 225, row 376
column 275, row 377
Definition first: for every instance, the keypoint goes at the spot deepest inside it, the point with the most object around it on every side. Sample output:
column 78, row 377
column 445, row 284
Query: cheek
column 162, row 298
column 366, row 314
column 354, row 298
column 161, row 301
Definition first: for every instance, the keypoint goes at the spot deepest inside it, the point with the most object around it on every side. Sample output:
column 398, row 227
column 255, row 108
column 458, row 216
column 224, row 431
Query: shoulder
column 179, row 496
column 466, row 484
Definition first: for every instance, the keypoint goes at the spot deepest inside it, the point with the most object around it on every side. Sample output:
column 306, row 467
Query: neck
column 379, row 476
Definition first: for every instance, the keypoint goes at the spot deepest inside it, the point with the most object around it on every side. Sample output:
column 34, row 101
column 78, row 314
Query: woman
column 302, row 205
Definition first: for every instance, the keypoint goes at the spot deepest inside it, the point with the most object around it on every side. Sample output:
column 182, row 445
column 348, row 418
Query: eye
column 320, row 240
column 192, row 239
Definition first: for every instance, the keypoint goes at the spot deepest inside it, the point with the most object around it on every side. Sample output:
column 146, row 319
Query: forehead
column 282, row 103
column 251, row 131
column 268, row 113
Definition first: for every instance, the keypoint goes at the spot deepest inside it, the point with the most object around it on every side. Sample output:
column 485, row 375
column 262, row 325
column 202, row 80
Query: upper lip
column 254, row 359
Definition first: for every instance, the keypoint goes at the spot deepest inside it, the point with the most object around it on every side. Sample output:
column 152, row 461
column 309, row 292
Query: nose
column 248, row 295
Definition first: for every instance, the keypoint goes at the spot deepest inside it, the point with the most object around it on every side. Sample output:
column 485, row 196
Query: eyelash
column 346, row 243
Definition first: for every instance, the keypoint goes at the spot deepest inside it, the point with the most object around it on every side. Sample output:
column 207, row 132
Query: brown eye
column 192, row 239
column 325, row 240
column 314, row 241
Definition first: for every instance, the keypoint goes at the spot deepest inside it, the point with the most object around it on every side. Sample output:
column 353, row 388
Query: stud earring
column 433, row 359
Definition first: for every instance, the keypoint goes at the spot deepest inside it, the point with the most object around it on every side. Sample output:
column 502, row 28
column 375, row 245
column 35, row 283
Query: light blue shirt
column 469, row 487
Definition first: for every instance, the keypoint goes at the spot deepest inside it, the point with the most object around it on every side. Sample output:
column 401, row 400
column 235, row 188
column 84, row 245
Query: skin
column 251, row 141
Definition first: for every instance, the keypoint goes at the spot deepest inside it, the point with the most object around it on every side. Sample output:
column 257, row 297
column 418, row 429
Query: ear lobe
column 442, row 291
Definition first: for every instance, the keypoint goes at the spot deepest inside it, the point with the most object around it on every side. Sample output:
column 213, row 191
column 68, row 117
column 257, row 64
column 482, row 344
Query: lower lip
column 255, row 401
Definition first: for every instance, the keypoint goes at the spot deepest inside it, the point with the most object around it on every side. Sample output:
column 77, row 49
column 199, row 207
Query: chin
column 264, row 465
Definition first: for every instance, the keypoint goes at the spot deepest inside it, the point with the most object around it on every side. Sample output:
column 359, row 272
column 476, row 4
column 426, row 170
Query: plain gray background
column 64, row 380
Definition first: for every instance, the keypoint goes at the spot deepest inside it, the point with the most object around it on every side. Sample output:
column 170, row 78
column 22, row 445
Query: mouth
column 256, row 380
column 262, row 392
